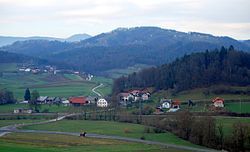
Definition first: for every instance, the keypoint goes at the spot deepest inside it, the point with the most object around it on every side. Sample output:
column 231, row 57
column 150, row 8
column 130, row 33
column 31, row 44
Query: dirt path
column 97, row 93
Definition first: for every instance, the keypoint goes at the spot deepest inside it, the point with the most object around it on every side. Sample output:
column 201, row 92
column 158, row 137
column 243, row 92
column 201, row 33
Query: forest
column 225, row 66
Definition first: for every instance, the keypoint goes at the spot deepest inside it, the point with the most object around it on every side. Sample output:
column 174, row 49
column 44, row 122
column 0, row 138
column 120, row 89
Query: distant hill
column 8, row 40
column 125, row 47
column 198, row 70
column 37, row 48
column 77, row 37
column 7, row 57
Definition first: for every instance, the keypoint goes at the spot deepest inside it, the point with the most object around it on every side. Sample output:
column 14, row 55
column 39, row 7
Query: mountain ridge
column 125, row 47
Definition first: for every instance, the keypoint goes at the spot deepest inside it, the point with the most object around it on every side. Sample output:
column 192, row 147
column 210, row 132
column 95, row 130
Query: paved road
column 93, row 90
column 13, row 128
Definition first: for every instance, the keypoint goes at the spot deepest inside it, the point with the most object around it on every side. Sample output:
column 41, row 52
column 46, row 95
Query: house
column 50, row 100
column 102, row 103
column 27, row 70
column 126, row 97
column 21, row 110
column 166, row 103
column 140, row 95
column 175, row 106
column 24, row 102
column 57, row 100
column 145, row 96
column 92, row 100
column 78, row 101
column 42, row 99
column 65, row 102
column 135, row 92
column 218, row 102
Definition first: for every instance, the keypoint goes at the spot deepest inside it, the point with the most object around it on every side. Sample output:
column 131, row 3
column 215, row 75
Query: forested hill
column 124, row 47
column 7, row 57
column 224, row 66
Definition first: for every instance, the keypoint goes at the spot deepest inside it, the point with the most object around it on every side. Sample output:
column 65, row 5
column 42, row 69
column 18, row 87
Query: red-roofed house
column 218, row 102
column 78, row 101
column 135, row 92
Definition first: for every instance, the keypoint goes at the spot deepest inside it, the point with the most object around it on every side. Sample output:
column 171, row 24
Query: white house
column 145, row 96
column 166, row 105
column 102, row 103
column 27, row 70
column 65, row 102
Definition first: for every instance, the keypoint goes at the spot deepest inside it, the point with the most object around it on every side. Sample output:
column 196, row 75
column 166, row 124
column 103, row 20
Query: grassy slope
column 197, row 94
column 110, row 128
column 62, row 85
column 60, row 143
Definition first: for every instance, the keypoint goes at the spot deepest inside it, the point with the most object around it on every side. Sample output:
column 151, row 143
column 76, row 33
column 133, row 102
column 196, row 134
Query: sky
column 63, row 18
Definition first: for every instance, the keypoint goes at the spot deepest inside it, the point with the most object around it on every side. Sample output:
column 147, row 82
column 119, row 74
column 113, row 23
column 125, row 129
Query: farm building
column 78, row 101
column 21, row 110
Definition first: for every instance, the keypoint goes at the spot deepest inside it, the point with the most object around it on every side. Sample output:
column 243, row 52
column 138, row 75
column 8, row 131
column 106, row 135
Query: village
column 52, row 70
column 125, row 99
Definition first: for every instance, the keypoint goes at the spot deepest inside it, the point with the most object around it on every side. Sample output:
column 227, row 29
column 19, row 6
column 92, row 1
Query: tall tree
column 27, row 95
column 33, row 102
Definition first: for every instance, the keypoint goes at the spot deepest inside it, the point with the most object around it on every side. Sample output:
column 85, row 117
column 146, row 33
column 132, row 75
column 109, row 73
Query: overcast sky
column 62, row 18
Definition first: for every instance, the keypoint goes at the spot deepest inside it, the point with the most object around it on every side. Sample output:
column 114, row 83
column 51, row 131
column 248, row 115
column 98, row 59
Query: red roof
column 124, row 94
column 218, row 99
column 135, row 91
column 78, row 100
column 176, row 102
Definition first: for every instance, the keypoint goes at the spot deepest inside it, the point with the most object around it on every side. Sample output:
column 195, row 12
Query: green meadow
column 61, row 85
column 30, row 142
column 111, row 128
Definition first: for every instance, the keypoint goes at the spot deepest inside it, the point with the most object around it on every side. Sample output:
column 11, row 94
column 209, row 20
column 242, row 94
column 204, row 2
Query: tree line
column 225, row 66
column 6, row 97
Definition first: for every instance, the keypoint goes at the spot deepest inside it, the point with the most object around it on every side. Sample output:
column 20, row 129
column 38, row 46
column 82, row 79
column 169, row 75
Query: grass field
column 116, row 73
column 12, row 122
column 110, row 128
column 61, row 143
column 8, row 67
column 239, row 107
column 228, row 123
column 61, row 85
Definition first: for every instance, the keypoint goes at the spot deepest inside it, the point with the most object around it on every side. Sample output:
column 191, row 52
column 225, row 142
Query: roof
column 176, row 102
column 218, row 99
column 124, row 94
column 42, row 98
column 135, row 91
column 78, row 100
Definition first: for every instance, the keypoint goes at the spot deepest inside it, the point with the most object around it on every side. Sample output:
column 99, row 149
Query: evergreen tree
column 27, row 95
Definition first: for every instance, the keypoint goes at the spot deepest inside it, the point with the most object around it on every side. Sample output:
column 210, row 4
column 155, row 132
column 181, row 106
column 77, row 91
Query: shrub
column 127, row 130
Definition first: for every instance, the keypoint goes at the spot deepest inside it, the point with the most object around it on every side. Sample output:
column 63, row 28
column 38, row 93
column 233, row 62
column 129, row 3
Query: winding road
column 93, row 90
column 13, row 128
